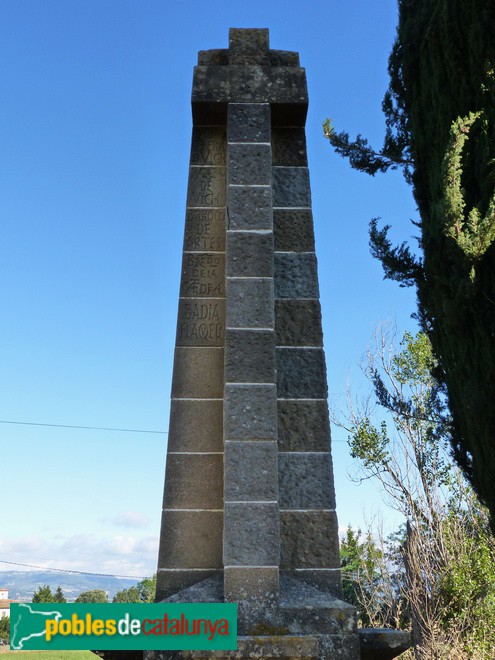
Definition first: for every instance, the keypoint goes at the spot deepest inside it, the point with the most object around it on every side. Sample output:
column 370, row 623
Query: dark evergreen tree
column 59, row 596
column 43, row 594
column 440, row 119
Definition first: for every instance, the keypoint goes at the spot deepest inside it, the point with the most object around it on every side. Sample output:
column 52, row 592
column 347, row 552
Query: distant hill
column 22, row 584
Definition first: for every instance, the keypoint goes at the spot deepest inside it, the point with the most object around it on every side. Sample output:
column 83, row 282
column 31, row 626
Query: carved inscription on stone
column 206, row 187
column 209, row 146
column 203, row 275
column 201, row 322
column 205, row 230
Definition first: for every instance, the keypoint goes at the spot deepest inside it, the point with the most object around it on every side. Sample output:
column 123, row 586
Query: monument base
column 303, row 623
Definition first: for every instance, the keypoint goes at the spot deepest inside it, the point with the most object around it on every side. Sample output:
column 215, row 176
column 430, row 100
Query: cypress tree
column 440, row 129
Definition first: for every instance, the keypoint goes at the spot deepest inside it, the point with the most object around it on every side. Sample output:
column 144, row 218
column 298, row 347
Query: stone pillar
column 249, row 506
column 192, row 519
column 251, row 532
column 309, row 529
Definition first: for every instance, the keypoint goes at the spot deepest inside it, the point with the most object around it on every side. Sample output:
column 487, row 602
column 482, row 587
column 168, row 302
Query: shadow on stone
column 383, row 643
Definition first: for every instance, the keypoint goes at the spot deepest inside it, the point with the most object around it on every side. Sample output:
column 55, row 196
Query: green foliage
column 144, row 592
column 147, row 588
column 59, row 596
column 440, row 129
column 131, row 595
column 43, row 595
column 5, row 628
column 92, row 596
column 437, row 574
column 360, row 562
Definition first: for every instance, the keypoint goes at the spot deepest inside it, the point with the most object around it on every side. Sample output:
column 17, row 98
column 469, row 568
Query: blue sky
column 95, row 130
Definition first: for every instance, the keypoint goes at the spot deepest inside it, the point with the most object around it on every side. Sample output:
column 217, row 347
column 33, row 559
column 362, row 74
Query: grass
column 50, row 655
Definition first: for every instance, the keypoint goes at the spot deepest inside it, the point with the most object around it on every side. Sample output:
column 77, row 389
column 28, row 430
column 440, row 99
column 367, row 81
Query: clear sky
column 95, row 128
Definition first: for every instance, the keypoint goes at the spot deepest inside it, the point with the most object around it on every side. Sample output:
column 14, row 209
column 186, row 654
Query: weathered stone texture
column 301, row 373
column 289, row 146
column 250, row 412
column 306, row 481
column 203, row 275
column 208, row 146
column 249, row 164
column 250, row 303
column 196, row 425
column 293, row 230
column 295, row 275
column 198, row 373
column 205, row 230
column 251, row 534
column 247, row 583
column 171, row 581
column 298, row 323
column 206, row 187
column 250, row 254
column 250, row 207
column 291, row 187
column 309, row 539
column 191, row 539
column 201, row 322
column 248, row 122
column 250, row 356
column 251, row 471
column 194, row 481
column 303, row 426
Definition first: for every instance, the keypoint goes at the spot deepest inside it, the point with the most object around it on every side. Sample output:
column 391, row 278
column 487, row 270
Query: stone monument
column 249, row 506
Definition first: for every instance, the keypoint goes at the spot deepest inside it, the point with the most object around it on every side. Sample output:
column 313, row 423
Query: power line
column 66, row 570
column 88, row 428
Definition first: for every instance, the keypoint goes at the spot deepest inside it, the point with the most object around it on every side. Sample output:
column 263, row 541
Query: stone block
column 203, row 275
column 251, row 534
column 309, row 539
column 249, row 254
column 250, row 412
column 250, row 207
column 258, row 583
column 205, row 230
column 201, row 322
column 291, row 187
column 295, row 276
column 194, row 481
column 198, row 373
column 289, row 146
column 328, row 580
column 293, row 230
column 248, row 46
column 303, row 426
column 250, row 303
column 306, row 481
column 209, row 146
column 207, row 187
column 251, row 471
column 298, row 323
column 171, row 581
column 248, row 122
column 249, row 164
column 301, row 373
column 284, row 58
column 195, row 426
column 250, row 356
column 284, row 86
column 191, row 539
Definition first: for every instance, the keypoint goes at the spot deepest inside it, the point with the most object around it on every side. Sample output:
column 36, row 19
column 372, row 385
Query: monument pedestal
column 303, row 622
column 249, row 506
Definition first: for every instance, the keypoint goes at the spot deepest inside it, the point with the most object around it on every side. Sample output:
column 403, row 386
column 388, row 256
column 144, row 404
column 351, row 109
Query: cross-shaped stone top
column 249, row 47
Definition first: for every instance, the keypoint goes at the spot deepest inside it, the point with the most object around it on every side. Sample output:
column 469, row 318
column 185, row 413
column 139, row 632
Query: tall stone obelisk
column 249, row 507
